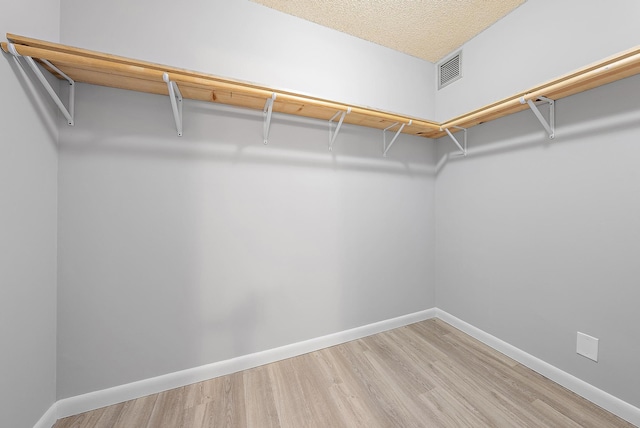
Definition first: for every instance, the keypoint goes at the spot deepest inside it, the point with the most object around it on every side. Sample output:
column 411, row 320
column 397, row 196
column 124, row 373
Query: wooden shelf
column 624, row 64
column 109, row 70
column 118, row 72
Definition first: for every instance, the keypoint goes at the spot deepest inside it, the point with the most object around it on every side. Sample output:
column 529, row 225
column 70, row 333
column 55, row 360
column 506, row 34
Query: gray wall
column 27, row 228
column 537, row 240
column 177, row 252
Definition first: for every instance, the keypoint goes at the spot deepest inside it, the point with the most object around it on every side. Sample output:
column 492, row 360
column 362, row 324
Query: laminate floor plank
column 400, row 364
column 83, row 420
column 293, row 409
column 486, row 369
column 352, row 395
column 109, row 416
column 136, row 412
column 427, row 374
column 194, row 416
column 579, row 409
column 167, row 410
column 199, row 393
column 227, row 408
column 486, row 385
column 460, row 384
column 554, row 417
column 316, row 388
column 452, row 411
column 399, row 406
column 260, row 402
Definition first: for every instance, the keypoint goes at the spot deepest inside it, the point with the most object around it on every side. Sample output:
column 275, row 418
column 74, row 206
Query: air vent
column 450, row 70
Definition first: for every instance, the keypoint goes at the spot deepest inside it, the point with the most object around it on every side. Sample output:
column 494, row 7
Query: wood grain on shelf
column 91, row 67
column 97, row 68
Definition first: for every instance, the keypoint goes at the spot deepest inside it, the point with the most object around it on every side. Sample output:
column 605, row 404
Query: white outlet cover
column 587, row 346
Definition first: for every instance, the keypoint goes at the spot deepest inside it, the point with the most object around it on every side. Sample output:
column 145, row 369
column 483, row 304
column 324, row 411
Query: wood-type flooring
column 427, row 374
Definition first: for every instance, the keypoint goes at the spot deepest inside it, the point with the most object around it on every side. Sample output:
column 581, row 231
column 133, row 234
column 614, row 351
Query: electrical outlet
column 587, row 346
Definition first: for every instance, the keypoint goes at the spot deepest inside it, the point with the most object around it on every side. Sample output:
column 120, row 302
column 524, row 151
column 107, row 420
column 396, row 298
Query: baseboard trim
column 49, row 418
column 106, row 397
column 597, row 396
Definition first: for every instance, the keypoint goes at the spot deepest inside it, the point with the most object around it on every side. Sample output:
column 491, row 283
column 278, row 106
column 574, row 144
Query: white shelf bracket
column 68, row 113
column 334, row 134
column 550, row 126
column 268, row 110
column 175, row 96
column 463, row 146
column 385, row 147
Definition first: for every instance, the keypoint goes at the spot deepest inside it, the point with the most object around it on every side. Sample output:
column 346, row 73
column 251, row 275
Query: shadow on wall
column 229, row 134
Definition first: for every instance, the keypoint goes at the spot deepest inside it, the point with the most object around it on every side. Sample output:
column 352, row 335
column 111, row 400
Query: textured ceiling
column 427, row 29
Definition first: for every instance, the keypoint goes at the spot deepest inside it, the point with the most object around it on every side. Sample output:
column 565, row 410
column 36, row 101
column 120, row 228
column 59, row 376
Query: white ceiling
column 427, row 29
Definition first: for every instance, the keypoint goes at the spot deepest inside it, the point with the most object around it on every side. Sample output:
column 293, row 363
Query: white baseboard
column 603, row 399
column 49, row 418
column 94, row 400
column 106, row 397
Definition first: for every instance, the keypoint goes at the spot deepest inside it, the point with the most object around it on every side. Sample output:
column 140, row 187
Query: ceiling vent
column 450, row 70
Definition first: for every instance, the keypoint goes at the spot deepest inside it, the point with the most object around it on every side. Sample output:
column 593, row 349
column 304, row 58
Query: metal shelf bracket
column 385, row 147
column 550, row 126
column 68, row 113
column 268, row 110
column 175, row 96
column 334, row 134
column 463, row 146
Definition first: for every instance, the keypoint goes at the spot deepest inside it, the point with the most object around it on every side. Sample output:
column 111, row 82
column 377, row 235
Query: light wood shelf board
column 97, row 68
column 609, row 70
column 91, row 67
